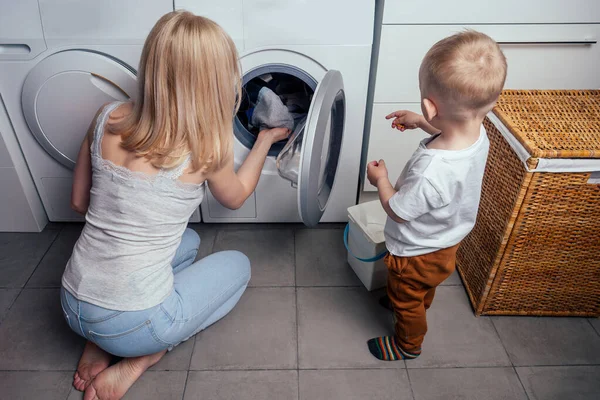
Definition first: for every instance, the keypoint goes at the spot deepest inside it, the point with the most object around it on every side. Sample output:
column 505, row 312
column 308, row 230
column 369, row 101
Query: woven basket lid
column 553, row 123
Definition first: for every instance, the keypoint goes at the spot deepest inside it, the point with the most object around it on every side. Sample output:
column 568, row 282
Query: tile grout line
column 295, row 270
column 502, row 343
column 593, row 327
column 214, row 241
column 43, row 287
column 521, row 382
column 412, row 391
column 187, row 376
column 329, row 287
column 357, row 368
column 43, row 256
column 189, row 368
column 249, row 286
column 71, row 388
column 297, row 317
column 254, row 286
column 11, row 304
column 20, row 289
column 509, row 366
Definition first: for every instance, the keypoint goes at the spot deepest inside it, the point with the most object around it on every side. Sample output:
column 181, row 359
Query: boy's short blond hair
column 467, row 69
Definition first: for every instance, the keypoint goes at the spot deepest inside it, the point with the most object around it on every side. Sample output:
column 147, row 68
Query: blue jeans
column 204, row 292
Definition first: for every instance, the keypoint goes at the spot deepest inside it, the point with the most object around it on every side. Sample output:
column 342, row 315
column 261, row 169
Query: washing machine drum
column 63, row 92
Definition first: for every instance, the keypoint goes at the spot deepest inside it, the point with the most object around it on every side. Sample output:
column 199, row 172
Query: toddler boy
column 434, row 203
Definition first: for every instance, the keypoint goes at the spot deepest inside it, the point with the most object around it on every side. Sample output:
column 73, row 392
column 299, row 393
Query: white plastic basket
column 365, row 243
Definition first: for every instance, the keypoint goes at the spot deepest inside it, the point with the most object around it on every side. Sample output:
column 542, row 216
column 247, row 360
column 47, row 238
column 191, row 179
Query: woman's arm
column 231, row 189
column 82, row 175
column 82, row 179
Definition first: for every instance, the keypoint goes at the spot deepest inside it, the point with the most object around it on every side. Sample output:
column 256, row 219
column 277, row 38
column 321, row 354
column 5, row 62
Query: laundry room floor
column 299, row 332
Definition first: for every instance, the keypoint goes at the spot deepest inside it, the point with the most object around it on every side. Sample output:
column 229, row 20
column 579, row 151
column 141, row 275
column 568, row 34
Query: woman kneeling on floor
column 131, row 287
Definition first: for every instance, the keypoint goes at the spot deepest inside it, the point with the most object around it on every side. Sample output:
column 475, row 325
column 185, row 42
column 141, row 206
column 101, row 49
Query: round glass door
column 321, row 147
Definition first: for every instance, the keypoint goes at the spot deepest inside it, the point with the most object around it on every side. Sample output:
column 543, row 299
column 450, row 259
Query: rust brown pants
column 411, row 288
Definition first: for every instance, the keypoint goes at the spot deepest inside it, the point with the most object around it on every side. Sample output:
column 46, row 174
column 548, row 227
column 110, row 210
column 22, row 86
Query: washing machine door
column 64, row 91
column 321, row 146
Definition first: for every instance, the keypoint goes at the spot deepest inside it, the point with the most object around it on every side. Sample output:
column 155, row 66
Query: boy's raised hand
column 375, row 171
column 404, row 119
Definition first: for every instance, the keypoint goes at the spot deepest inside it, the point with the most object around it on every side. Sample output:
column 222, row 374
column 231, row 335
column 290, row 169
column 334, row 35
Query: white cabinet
column 548, row 44
column 21, row 208
column 538, row 56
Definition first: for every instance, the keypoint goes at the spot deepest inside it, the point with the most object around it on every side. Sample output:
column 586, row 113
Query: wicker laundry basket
column 535, row 249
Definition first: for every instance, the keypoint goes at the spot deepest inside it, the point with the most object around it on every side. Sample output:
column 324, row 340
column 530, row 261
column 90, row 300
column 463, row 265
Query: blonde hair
column 189, row 81
column 468, row 69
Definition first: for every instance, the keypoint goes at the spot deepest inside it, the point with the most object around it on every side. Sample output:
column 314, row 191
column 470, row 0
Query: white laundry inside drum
column 295, row 90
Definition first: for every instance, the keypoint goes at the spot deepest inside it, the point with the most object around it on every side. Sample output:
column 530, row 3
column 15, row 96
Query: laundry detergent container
column 365, row 243
column 535, row 248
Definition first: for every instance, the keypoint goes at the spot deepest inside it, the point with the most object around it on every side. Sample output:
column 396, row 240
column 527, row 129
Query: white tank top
column 134, row 224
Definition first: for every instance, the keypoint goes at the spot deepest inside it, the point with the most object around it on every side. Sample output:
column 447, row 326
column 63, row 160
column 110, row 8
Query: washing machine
column 322, row 49
column 60, row 60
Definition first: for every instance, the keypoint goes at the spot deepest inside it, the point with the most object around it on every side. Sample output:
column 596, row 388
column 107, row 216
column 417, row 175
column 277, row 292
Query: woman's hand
column 274, row 135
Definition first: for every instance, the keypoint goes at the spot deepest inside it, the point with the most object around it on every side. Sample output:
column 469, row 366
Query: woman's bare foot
column 114, row 382
column 93, row 361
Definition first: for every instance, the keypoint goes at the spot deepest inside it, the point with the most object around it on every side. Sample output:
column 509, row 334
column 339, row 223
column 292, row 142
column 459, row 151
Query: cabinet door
column 391, row 145
column 539, row 56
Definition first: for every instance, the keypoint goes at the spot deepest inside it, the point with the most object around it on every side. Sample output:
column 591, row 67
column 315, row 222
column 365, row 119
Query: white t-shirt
column 438, row 197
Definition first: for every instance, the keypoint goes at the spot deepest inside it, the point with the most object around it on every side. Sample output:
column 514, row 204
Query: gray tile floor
column 298, row 333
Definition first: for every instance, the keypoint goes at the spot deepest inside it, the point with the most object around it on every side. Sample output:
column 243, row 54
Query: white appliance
column 60, row 60
column 325, row 47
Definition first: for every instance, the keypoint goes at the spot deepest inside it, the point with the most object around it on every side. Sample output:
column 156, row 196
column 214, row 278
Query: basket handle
column 372, row 259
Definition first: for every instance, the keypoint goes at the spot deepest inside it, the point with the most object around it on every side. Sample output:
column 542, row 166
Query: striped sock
column 385, row 348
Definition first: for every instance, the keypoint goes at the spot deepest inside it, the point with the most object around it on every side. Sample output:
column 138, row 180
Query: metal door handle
column 14, row 48
column 552, row 42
